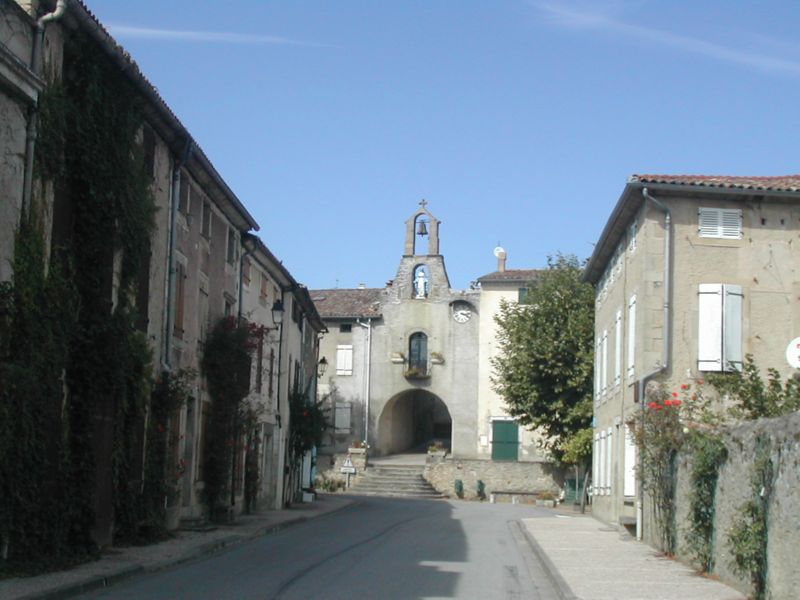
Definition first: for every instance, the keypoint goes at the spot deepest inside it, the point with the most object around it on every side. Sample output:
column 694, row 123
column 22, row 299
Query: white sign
column 348, row 466
column 793, row 353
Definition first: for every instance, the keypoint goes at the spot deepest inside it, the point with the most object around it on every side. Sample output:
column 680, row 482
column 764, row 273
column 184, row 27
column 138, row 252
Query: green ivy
column 226, row 365
column 708, row 453
column 747, row 538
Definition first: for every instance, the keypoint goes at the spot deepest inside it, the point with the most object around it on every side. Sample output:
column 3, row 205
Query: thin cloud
column 587, row 19
column 215, row 37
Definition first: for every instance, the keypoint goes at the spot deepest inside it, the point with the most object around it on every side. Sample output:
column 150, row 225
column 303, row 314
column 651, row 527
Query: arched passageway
column 413, row 420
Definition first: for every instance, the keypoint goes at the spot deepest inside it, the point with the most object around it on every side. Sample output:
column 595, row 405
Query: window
column 260, row 363
column 231, row 254
column 149, row 151
column 631, row 336
column 345, row 328
column 601, row 460
column 604, row 361
column 270, row 386
column 618, row 348
column 180, row 298
column 609, row 449
column 344, row 359
column 264, row 291
column 246, row 271
column 418, row 353
column 629, row 483
column 184, row 195
column 342, row 420
column 719, row 333
column 522, row 295
column 720, row 223
column 206, row 220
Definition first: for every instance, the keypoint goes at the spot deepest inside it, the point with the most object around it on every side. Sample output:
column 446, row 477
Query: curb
column 560, row 585
column 97, row 582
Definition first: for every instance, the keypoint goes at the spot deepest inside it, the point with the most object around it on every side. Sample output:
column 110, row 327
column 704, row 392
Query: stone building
column 410, row 364
column 194, row 273
column 692, row 273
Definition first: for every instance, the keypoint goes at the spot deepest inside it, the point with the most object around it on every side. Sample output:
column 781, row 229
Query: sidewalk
column 591, row 561
column 121, row 563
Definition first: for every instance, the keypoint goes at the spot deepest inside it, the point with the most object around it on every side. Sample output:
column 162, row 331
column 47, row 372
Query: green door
column 505, row 440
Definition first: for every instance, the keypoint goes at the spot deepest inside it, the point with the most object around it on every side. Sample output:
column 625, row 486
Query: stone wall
column 497, row 476
column 734, row 489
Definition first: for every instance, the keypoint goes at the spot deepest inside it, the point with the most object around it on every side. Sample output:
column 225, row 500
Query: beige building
column 692, row 273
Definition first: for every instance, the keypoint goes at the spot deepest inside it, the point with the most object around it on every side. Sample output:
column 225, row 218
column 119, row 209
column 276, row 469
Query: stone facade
column 648, row 314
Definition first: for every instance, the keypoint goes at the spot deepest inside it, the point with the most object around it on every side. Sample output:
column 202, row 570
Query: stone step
column 396, row 481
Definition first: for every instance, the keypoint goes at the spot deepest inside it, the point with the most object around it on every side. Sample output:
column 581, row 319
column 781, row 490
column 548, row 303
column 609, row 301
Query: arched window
column 418, row 353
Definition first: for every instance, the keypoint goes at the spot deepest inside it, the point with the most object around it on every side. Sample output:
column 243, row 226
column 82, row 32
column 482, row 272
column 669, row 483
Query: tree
column 544, row 369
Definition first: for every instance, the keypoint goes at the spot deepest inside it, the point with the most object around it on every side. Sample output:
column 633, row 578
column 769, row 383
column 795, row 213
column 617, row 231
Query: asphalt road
column 377, row 548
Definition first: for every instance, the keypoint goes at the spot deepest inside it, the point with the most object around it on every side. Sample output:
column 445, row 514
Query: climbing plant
column 307, row 426
column 74, row 370
column 226, row 365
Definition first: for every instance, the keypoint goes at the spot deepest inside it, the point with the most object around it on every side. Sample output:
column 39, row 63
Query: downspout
column 665, row 361
column 31, row 132
column 178, row 164
column 368, row 367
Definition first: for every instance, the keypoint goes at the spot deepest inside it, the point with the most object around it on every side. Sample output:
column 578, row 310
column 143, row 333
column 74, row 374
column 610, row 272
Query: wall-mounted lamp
column 277, row 313
column 322, row 366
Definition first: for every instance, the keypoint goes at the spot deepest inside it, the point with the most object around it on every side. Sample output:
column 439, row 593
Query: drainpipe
column 31, row 132
column 665, row 360
column 178, row 164
column 368, row 368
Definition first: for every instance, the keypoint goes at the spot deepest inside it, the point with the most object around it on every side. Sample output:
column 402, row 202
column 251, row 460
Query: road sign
column 348, row 466
column 793, row 353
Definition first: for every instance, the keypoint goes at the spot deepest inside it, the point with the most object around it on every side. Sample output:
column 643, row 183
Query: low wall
column 497, row 476
column 734, row 488
column 330, row 465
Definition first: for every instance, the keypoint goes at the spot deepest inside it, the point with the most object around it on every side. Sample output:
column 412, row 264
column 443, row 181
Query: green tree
column 544, row 368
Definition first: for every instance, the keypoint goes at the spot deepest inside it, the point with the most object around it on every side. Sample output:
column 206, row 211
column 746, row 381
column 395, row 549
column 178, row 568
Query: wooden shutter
column 604, row 361
column 618, row 348
column 708, row 222
column 596, row 464
column 732, row 327
column 720, row 223
column 344, row 360
column 709, row 329
column 342, row 417
column 731, row 224
column 601, row 480
column 631, row 336
column 505, row 440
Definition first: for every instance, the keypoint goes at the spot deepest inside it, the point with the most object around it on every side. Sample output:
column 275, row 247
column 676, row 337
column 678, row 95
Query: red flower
column 653, row 404
column 685, row 386
column 668, row 402
column 659, row 407
column 676, row 403
column 674, row 394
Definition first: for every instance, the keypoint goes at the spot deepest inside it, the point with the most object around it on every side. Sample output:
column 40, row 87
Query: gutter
column 667, row 328
column 368, row 368
column 31, row 131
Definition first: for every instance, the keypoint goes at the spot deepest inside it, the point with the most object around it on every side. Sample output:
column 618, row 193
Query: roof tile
column 781, row 183
column 360, row 302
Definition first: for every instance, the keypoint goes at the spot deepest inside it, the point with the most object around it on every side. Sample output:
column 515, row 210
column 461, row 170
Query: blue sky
column 518, row 121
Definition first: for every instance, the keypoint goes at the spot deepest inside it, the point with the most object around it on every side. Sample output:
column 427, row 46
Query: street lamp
column 322, row 366
column 277, row 313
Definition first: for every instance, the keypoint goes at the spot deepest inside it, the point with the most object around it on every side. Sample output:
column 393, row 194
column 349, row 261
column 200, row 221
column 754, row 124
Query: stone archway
column 411, row 421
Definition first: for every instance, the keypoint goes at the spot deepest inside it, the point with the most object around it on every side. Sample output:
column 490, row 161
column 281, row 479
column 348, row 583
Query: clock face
column 461, row 313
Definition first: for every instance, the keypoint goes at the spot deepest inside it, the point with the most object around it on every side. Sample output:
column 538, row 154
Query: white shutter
column 629, row 484
column 618, row 348
column 731, row 224
column 631, row 335
column 342, row 417
column 344, row 360
column 609, row 452
column 708, row 222
column 596, row 464
column 709, row 329
column 732, row 327
column 601, row 483
column 604, row 359
column 597, row 388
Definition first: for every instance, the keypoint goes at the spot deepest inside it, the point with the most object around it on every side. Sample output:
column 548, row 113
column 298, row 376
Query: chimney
column 501, row 261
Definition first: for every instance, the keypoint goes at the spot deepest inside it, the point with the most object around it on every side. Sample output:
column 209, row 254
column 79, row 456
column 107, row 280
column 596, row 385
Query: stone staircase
column 403, row 481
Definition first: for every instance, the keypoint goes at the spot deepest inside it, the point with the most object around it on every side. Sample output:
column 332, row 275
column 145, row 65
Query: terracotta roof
column 512, row 275
column 781, row 183
column 361, row 302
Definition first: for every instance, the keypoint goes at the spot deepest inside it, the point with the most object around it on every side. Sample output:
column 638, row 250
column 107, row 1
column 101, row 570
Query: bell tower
column 422, row 224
